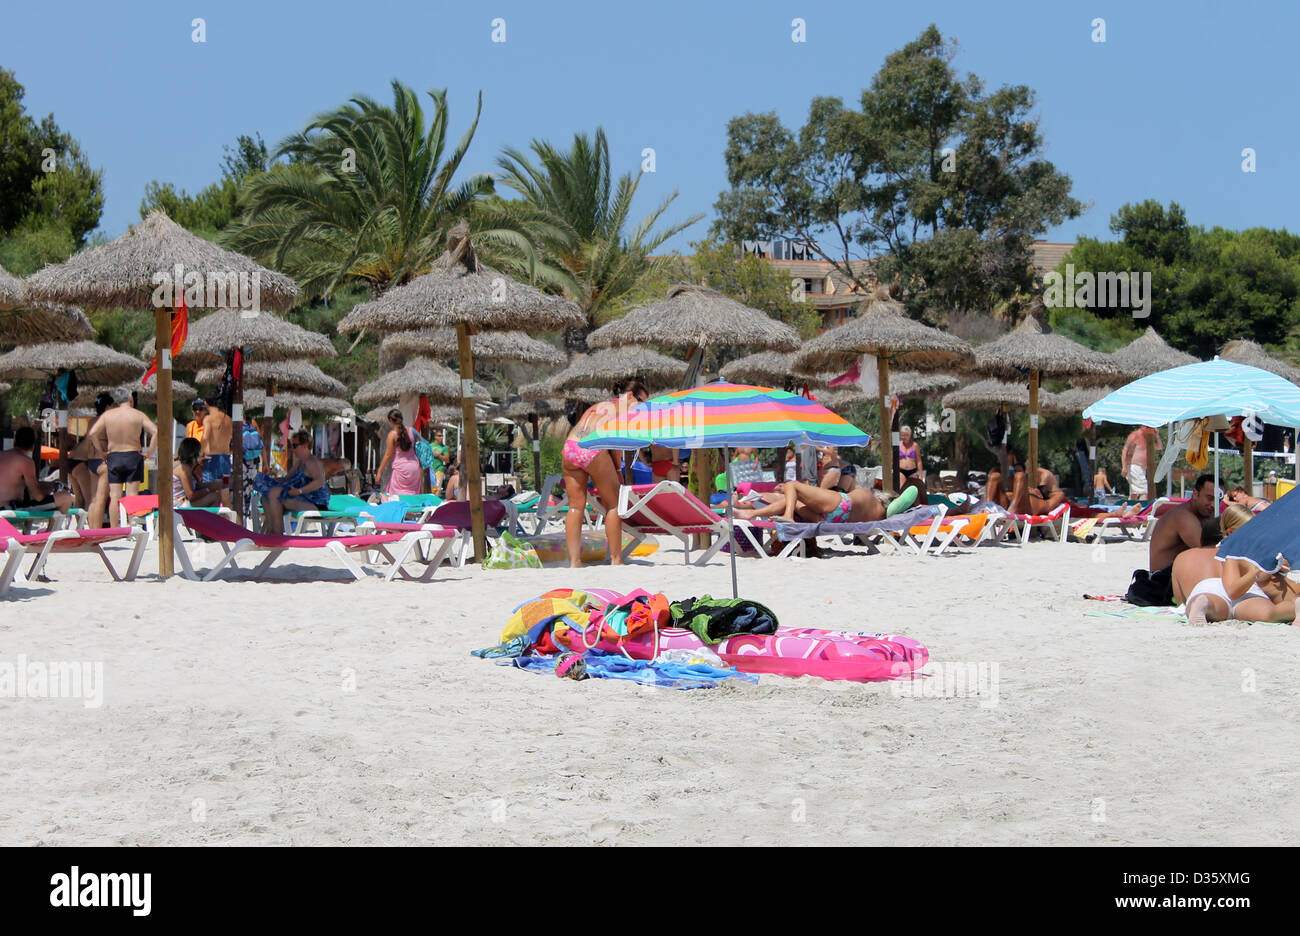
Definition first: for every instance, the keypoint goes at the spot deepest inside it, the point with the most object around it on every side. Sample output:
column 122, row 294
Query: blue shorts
column 215, row 467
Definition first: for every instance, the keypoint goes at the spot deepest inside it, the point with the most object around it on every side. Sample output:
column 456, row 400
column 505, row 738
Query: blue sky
column 1161, row 110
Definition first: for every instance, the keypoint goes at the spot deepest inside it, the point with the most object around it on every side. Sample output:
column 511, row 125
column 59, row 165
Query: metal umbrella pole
column 731, row 519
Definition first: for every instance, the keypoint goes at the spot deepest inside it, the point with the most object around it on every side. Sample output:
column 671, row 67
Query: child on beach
column 1101, row 485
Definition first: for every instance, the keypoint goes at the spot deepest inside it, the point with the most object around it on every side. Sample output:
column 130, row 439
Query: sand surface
column 339, row 712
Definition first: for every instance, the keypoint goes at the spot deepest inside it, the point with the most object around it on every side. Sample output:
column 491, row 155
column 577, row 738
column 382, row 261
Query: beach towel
column 601, row 665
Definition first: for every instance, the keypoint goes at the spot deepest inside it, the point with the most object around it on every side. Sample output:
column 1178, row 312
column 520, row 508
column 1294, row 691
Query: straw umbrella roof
column 11, row 290
column 1078, row 399
column 39, row 322
column 693, row 316
column 1148, row 354
column 989, row 394
column 770, row 368
column 93, row 363
column 614, row 364
column 256, row 400
column 459, row 289
column 547, row 390
column 287, row 375
column 1032, row 346
column 883, row 329
column 904, row 383
column 488, row 346
column 267, row 336
column 1243, row 351
column 122, row 273
column 147, row 393
column 420, row 376
column 544, row 409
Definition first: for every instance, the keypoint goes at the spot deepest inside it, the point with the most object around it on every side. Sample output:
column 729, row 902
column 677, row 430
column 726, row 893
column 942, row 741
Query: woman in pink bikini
column 582, row 465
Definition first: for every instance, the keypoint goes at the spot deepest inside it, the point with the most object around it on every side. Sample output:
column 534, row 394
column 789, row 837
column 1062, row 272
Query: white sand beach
column 229, row 716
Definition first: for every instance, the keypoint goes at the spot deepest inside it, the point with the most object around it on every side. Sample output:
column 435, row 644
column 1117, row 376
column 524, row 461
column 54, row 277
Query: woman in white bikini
column 582, row 466
column 1233, row 589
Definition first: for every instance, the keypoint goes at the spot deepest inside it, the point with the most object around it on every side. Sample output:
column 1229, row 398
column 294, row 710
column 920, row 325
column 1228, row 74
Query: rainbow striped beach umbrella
column 722, row 415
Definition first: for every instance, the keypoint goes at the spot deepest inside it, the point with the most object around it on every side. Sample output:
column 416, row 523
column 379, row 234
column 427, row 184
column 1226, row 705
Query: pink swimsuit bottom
column 577, row 455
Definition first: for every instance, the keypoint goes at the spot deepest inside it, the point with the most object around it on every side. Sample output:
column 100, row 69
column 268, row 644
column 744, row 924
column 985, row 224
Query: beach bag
column 423, row 450
column 510, row 552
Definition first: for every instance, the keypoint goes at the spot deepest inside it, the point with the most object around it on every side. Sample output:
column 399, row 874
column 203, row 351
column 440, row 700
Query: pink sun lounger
column 236, row 541
column 77, row 541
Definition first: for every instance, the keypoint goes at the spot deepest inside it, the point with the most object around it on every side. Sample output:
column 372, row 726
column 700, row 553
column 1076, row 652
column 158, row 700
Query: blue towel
column 616, row 666
column 392, row 512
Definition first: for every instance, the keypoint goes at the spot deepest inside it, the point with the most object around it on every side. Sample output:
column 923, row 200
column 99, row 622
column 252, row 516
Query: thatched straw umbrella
column 604, row 368
column 266, row 337
column 904, row 383
column 884, row 331
column 547, row 390
column 420, row 377
column 12, row 290
column 93, row 364
column 771, row 369
column 461, row 292
column 440, row 343
column 1032, row 349
column 991, row 394
column 39, row 322
column 308, row 401
column 694, row 318
column 152, row 267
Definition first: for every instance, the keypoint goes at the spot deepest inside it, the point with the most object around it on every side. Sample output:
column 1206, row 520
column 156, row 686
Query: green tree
column 211, row 210
column 941, row 181
column 1207, row 287
column 368, row 194
column 580, row 215
column 50, row 197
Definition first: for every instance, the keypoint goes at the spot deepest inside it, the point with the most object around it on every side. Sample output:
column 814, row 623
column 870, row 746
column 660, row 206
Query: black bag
column 1151, row 589
column 999, row 429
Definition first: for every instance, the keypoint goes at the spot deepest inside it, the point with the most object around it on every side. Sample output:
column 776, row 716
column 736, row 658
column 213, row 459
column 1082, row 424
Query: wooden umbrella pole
column 1031, row 466
column 268, row 424
column 1248, row 464
column 537, row 457
column 162, row 483
column 887, row 440
column 470, row 438
column 237, row 444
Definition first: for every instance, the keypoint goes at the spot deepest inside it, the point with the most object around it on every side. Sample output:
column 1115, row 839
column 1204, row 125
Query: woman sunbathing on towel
column 581, row 465
column 1211, row 590
column 816, row 504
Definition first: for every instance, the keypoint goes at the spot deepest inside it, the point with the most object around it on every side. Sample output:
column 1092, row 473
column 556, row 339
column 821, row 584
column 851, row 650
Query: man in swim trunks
column 1133, row 462
column 1177, row 530
column 19, row 489
column 664, row 465
column 581, row 466
column 117, row 432
column 217, row 431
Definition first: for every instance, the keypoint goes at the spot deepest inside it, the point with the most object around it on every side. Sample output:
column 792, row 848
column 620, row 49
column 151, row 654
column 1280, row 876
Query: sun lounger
column 11, row 558
column 143, row 509
column 69, row 541
column 453, row 518
column 52, row 519
column 1055, row 523
column 669, row 509
column 236, row 541
column 342, row 508
column 892, row 531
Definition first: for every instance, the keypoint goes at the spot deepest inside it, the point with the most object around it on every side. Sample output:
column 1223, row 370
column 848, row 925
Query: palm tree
column 368, row 193
column 587, row 211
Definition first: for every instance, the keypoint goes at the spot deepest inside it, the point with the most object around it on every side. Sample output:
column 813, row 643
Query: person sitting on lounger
column 797, row 500
column 1044, row 496
column 187, row 489
column 304, row 489
column 19, row 489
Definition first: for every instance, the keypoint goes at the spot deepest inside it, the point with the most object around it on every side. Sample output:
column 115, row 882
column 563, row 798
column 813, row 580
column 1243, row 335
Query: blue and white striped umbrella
column 1196, row 391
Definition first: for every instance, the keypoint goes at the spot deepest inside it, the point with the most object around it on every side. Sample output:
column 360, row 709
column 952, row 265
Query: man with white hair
column 118, row 432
